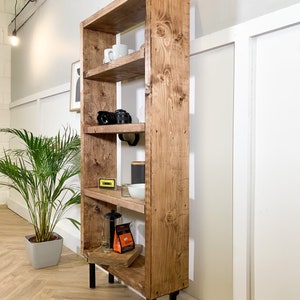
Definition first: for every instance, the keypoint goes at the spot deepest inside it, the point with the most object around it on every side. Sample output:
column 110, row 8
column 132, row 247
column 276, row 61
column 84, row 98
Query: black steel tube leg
column 111, row 278
column 173, row 296
column 92, row 276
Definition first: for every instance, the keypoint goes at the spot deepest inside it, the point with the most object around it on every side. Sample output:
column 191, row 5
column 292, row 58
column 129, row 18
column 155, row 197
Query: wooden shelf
column 113, row 258
column 117, row 16
column 124, row 68
column 114, row 197
column 115, row 128
column 133, row 276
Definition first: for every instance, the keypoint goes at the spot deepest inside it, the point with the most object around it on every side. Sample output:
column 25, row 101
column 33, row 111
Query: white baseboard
column 3, row 197
column 19, row 209
column 70, row 241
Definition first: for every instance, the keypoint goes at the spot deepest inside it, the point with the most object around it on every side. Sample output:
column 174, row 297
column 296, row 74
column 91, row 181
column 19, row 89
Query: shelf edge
column 115, row 128
column 114, row 197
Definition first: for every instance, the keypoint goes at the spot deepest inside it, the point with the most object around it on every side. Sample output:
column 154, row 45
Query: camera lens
column 122, row 116
column 105, row 117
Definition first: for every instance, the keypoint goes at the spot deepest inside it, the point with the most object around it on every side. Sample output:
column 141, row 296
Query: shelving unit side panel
column 92, row 45
column 167, row 146
column 92, row 220
column 98, row 159
column 95, row 96
column 98, row 155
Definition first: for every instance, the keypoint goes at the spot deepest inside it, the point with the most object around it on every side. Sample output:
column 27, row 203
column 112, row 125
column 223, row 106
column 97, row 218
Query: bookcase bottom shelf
column 133, row 276
column 113, row 258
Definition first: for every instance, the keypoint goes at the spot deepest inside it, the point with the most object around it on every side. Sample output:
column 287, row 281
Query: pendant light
column 14, row 40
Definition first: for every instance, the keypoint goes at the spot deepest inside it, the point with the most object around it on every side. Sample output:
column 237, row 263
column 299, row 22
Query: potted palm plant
column 42, row 172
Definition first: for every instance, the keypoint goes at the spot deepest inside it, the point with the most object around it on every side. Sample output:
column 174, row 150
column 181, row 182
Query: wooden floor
column 69, row 280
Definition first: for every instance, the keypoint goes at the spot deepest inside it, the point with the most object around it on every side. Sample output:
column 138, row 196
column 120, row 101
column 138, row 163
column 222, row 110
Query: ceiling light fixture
column 14, row 40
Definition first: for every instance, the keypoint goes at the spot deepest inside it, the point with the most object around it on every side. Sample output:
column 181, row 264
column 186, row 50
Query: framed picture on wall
column 75, row 87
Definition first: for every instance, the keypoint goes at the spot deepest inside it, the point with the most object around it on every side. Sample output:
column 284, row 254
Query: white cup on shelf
column 107, row 55
column 118, row 50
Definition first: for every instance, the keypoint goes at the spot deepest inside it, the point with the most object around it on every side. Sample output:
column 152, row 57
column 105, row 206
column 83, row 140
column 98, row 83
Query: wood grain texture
column 98, row 155
column 166, row 67
column 68, row 280
column 113, row 258
column 167, row 150
column 93, row 227
column 115, row 128
column 115, row 198
column 127, row 67
column 117, row 16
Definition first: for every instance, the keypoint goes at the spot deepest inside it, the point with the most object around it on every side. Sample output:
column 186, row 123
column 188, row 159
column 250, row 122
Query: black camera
column 120, row 116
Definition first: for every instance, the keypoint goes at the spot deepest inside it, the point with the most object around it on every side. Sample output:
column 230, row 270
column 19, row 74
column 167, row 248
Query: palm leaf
column 41, row 171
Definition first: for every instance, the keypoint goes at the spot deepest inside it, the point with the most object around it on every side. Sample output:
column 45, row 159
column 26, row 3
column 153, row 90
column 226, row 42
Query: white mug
column 106, row 58
column 118, row 50
column 130, row 51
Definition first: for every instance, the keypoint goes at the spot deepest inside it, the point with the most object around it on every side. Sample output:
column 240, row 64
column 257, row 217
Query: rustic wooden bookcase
column 164, row 63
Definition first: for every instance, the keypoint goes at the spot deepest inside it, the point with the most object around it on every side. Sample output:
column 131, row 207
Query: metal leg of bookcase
column 173, row 296
column 92, row 276
column 111, row 278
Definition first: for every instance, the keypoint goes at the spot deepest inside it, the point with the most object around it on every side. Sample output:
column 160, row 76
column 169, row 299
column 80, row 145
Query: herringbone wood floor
column 68, row 280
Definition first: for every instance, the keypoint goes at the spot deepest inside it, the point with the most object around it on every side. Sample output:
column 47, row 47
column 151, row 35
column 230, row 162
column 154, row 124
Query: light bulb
column 14, row 40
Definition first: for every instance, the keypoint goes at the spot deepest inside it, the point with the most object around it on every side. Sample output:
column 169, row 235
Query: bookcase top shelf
column 117, row 16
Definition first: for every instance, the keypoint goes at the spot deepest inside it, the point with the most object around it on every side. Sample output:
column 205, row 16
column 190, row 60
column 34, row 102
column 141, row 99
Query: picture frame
column 75, row 87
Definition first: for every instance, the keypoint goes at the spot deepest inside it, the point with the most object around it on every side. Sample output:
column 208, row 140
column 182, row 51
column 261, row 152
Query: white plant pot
column 45, row 254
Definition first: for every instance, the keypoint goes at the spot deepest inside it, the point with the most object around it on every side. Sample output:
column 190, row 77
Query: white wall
column 276, row 174
column 57, row 23
column 39, row 114
column 227, row 258
column 214, row 15
column 211, row 173
column 266, row 166
column 6, row 10
column 46, row 65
